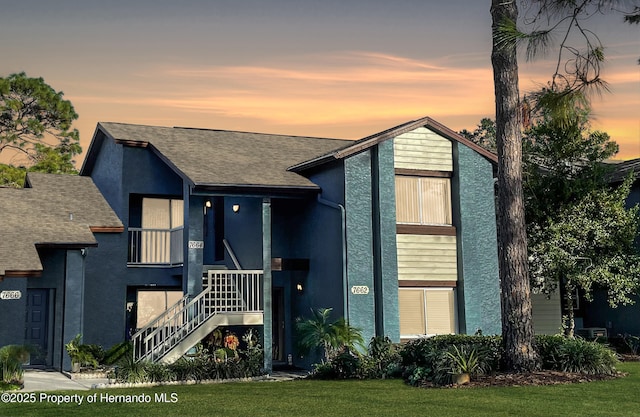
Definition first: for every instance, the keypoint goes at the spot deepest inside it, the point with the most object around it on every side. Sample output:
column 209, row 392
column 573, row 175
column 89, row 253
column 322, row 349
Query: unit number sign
column 10, row 295
column 359, row 290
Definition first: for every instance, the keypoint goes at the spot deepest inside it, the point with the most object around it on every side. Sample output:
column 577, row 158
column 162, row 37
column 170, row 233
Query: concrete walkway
column 50, row 380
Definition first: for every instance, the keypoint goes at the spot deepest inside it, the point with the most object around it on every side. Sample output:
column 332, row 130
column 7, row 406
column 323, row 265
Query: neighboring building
column 47, row 230
column 396, row 232
column 598, row 314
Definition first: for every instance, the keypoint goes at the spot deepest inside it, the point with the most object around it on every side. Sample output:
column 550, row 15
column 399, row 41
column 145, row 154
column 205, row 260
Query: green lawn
column 357, row 398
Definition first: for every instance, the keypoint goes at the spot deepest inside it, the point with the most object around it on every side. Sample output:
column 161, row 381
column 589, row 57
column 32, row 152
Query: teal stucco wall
column 474, row 214
column 387, row 254
column 360, row 306
column 371, row 246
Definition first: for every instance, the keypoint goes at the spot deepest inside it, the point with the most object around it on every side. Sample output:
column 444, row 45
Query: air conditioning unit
column 592, row 332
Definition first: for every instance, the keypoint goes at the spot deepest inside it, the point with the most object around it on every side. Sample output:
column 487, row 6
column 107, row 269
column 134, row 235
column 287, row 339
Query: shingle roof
column 227, row 158
column 56, row 210
column 622, row 169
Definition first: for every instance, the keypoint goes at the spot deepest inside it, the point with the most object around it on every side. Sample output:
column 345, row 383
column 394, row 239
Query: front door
column 36, row 324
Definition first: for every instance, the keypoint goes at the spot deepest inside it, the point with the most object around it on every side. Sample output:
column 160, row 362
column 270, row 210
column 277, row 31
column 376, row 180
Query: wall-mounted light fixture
column 207, row 206
column 235, row 208
column 299, row 287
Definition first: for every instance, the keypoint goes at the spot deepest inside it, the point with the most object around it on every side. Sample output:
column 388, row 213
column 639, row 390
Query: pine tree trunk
column 517, row 326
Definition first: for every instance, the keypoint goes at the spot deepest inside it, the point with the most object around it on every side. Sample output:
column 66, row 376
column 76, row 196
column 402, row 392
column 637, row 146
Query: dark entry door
column 35, row 333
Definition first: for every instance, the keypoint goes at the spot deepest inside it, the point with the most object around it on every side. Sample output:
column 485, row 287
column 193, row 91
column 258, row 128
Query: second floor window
column 423, row 200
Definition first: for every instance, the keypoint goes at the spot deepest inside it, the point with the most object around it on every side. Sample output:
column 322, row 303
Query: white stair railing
column 225, row 292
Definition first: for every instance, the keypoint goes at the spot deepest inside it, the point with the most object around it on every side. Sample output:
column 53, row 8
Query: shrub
column 575, row 355
column 383, row 358
column 424, row 351
column 117, row 352
column 11, row 359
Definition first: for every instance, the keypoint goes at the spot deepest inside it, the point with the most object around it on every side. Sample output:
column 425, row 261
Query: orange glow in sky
column 329, row 69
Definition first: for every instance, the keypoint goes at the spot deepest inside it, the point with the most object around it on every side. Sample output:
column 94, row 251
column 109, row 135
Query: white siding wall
column 422, row 149
column 427, row 257
column 547, row 317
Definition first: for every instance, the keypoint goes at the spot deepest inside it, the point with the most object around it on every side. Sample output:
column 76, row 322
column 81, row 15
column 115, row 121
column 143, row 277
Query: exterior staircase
column 228, row 298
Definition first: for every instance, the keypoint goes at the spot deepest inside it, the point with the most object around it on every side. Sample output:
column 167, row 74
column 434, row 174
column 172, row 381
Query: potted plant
column 79, row 354
column 464, row 363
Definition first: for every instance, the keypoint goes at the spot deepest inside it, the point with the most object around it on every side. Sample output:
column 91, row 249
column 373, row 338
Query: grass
column 359, row 398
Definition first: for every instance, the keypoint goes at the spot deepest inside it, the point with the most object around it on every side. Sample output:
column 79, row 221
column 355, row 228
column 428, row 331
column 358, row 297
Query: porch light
column 299, row 287
column 235, row 208
column 207, row 204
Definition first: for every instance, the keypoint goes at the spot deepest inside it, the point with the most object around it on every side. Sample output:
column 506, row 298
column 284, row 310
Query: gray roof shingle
column 55, row 210
column 622, row 169
column 228, row 158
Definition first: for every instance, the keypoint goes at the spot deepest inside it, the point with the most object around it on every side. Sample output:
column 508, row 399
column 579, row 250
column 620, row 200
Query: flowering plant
column 231, row 341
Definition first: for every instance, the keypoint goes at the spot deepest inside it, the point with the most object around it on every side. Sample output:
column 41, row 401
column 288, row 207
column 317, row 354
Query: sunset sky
column 330, row 68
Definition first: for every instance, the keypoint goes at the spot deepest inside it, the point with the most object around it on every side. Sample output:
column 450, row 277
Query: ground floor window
column 152, row 303
column 426, row 311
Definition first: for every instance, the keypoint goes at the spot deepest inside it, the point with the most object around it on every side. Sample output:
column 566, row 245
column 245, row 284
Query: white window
column 153, row 303
column 426, row 311
column 162, row 224
column 423, row 200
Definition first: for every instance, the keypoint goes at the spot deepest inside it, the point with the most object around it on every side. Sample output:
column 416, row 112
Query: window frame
column 418, row 189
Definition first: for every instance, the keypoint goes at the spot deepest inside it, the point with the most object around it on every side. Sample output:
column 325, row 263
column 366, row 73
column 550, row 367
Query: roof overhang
column 373, row 140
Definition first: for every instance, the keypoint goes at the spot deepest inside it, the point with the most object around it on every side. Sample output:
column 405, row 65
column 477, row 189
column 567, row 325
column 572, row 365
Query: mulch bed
column 535, row 378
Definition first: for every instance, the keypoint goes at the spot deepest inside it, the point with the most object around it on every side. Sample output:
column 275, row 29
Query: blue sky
column 322, row 68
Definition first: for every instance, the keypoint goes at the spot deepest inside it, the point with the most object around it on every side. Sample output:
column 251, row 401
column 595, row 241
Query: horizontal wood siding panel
column 427, row 258
column 546, row 314
column 423, row 149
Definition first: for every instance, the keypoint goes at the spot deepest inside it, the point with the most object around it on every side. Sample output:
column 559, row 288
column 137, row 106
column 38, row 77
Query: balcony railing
column 155, row 246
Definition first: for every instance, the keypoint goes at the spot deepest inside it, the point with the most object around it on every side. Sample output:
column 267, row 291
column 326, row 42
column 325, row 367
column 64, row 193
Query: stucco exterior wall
column 360, row 272
column 386, row 255
column 474, row 211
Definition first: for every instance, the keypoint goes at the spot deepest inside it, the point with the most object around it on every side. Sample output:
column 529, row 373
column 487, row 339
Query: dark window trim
column 423, row 173
column 419, row 229
column 426, row 284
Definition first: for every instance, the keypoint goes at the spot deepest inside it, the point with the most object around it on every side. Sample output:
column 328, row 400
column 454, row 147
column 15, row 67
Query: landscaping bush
column 424, row 352
column 575, row 355
column 117, row 352
column 11, row 359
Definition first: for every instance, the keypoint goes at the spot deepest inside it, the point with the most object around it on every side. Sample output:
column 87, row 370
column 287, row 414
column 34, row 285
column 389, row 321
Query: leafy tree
column 483, row 135
column 588, row 244
column 562, row 165
column 331, row 336
column 35, row 122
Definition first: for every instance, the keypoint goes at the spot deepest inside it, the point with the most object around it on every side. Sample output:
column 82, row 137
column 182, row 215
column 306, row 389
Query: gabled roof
column 622, row 169
column 222, row 158
column 53, row 211
column 369, row 141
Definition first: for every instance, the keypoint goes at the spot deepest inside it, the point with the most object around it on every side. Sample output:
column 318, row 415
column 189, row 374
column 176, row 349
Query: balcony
column 155, row 247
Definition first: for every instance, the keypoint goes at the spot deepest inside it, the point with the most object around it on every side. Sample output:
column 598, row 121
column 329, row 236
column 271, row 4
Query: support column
column 195, row 245
column 73, row 300
column 266, row 285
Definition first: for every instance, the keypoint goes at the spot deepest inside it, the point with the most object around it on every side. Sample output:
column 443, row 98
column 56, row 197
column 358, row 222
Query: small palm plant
column 319, row 332
column 464, row 363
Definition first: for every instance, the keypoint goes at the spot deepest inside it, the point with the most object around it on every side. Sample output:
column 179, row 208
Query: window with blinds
column 423, row 200
column 426, row 311
column 161, row 219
